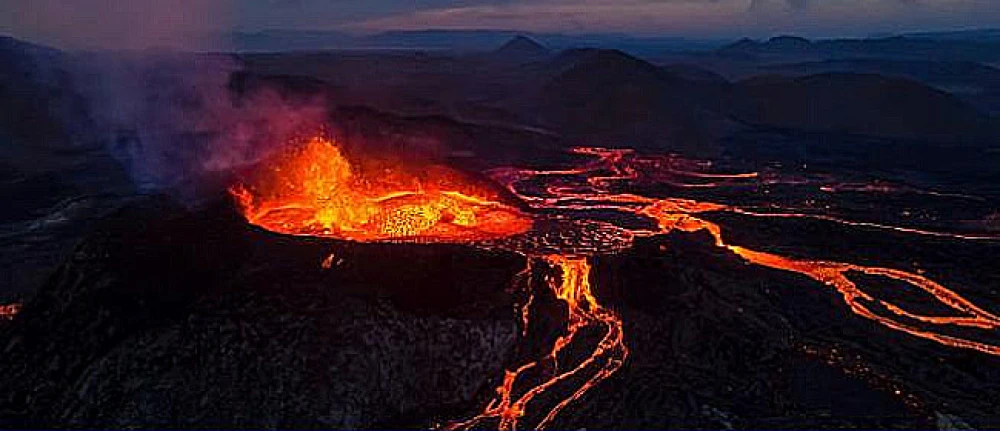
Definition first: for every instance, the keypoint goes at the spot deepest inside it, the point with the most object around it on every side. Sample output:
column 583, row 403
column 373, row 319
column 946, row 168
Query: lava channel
column 518, row 389
column 314, row 190
column 587, row 187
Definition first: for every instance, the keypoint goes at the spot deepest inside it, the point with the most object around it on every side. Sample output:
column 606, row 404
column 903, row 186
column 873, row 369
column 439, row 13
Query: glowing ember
column 8, row 311
column 314, row 190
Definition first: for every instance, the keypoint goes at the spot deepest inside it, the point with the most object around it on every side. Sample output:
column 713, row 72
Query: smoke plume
column 176, row 119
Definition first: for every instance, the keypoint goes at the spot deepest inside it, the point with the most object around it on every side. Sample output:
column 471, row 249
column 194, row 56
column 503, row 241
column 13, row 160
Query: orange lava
column 315, row 190
column 672, row 214
column 587, row 187
column 573, row 288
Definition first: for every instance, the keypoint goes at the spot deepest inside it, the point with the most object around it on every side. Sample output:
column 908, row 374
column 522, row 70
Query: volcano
column 315, row 191
column 555, row 325
column 376, row 267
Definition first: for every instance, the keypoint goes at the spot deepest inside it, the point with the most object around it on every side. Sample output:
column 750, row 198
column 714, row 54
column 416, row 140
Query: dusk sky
column 141, row 23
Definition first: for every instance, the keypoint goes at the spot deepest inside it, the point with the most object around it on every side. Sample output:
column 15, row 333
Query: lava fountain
column 314, row 189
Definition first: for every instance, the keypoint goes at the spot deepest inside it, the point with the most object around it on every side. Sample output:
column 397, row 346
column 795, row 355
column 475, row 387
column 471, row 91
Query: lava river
column 315, row 191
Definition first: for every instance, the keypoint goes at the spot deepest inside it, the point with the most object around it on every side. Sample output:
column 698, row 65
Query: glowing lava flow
column 313, row 189
column 586, row 188
column 574, row 289
column 679, row 214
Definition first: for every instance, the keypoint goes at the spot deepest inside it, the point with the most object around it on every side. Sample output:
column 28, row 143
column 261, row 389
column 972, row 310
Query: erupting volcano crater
column 314, row 189
column 584, row 211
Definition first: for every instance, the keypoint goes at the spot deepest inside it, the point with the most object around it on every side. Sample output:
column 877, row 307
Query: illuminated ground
column 650, row 291
column 601, row 180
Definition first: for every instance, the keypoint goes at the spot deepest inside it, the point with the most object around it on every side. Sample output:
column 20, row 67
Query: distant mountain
column 789, row 42
column 454, row 40
column 979, row 35
column 693, row 73
column 860, row 104
column 898, row 47
column 522, row 47
column 601, row 97
column 608, row 97
column 974, row 82
column 462, row 40
column 935, row 72
column 54, row 178
column 37, row 97
column 780, row 45
column 290, row 40
column 25, row 51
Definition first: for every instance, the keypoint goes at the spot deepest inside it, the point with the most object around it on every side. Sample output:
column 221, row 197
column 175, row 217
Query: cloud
column 713, row 18
column 117, row 24
column 633, row 16
column 188, row 23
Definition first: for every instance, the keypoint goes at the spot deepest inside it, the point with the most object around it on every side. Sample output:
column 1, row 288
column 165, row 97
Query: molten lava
column 586, row 188
column 673, row 214
column 315, row 190
column 607, row 356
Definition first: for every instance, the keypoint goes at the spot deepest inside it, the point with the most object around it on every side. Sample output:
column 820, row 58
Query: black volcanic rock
column 171, row 318
column 716, row 343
